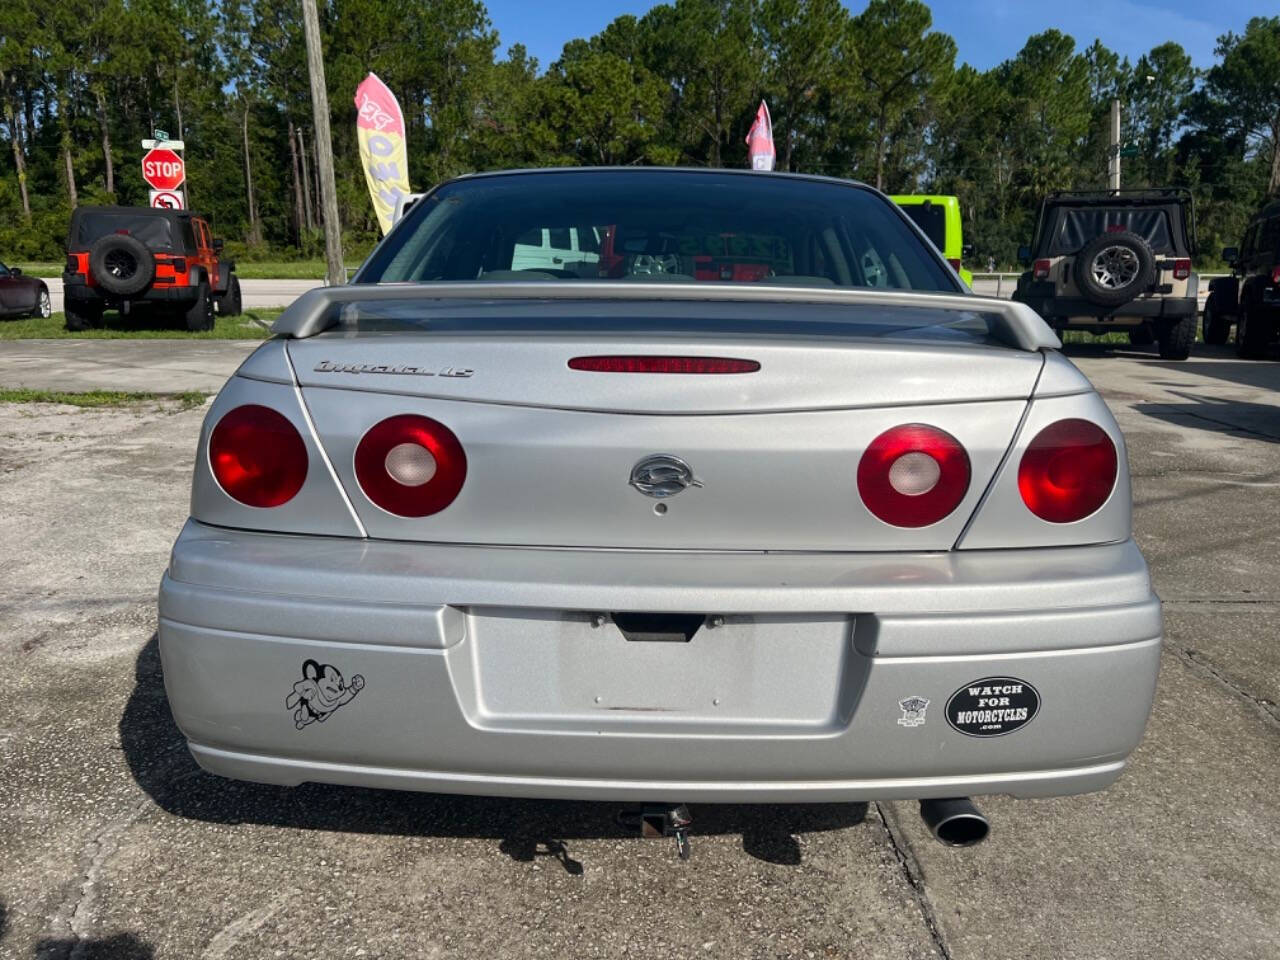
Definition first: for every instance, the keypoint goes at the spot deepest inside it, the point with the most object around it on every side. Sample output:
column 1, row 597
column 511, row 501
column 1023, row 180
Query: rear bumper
column 482, row 670
column 1067, row 308
column 74, row 286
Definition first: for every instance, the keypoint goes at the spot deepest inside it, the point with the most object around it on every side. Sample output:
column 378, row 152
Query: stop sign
column 163, row 169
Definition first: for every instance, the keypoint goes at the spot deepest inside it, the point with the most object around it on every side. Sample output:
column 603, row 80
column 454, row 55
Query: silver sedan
column 661, row 485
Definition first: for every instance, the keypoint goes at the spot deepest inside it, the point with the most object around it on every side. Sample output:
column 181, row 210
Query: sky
column 986, row 31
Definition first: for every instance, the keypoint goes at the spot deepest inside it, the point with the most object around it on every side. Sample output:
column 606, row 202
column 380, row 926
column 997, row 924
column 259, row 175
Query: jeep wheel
column 44, row 306
column 121, row 264
column 1113, row 268
column 199, row 316
column 1176, row 338
column 1216, row 328
column 1251, row 335
column 81, row 315
column 1141, row 336
column 229, row 304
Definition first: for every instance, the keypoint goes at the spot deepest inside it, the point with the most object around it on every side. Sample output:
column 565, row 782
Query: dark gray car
column 22, row 296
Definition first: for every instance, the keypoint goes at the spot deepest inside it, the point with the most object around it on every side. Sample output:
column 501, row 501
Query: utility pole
column 1113, row 152
column 335, row 273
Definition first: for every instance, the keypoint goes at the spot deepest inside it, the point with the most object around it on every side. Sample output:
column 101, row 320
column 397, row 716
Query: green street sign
column 1130, row 151
column 164, row 135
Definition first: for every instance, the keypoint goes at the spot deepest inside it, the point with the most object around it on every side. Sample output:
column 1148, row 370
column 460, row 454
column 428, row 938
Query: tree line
column 876, row 96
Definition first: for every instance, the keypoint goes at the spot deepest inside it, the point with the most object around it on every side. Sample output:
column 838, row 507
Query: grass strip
column 251, row 325
column 99, row 398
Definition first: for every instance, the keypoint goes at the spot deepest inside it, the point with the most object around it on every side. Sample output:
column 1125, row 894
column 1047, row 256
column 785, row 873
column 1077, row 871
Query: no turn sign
column 163, row 169
column 166, row 199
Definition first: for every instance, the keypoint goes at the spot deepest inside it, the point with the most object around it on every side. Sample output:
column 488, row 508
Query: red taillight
column 913, row 475
column 411, row 466
column 1275, row 275
column 1040, row 269
column 1181, row 269
column 637, row 364
column 955, row 264
column 1068, row 471
column 258, row 456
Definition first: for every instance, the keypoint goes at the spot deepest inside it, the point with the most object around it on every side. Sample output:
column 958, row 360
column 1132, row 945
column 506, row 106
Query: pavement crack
column 915, row 880
column 1201, row 664
column 76, row 914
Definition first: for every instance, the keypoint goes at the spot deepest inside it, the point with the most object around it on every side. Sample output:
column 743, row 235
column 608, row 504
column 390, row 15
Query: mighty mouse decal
column 320, row 692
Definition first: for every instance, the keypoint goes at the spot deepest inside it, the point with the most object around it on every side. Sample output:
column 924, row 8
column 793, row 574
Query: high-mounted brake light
column 1040, row 269
column 257, row 456
column 661, row 364
column 913, row 475
column 1068, row 471
column 1181, row 269
column 411, row 466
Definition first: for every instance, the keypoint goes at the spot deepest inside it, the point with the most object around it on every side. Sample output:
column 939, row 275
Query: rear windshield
column 1075, row 228
column 152, row 231
column 662, row 226
column 932, row 219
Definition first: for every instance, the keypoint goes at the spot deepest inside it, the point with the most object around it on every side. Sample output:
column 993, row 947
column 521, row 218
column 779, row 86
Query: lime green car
column 939, row 218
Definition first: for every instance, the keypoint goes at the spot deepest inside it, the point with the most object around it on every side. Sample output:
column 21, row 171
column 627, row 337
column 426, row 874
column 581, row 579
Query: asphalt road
column 254, row 293
column 113, row 844
column 280, row 293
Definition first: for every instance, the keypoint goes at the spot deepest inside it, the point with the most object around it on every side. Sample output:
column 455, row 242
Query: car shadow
column 1099, row 348
column 121, row 946
column 525, row 829
column 1226, row 366
column 1257, row 421
column 1205, row 360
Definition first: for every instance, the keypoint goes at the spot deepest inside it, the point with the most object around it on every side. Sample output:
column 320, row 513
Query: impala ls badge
column 662, row 475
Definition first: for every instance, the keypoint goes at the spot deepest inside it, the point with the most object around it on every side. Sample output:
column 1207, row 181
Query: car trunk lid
column 552, row 452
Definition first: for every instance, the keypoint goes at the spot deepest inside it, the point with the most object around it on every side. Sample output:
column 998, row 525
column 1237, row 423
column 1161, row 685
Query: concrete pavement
column 112, row 844
column 156, row 366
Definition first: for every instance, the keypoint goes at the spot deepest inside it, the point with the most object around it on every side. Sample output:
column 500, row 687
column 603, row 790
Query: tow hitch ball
column 654, row 820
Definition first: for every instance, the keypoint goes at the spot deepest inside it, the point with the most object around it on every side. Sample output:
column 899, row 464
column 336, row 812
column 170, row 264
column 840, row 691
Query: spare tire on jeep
column 1113, row 268
column 121, row 264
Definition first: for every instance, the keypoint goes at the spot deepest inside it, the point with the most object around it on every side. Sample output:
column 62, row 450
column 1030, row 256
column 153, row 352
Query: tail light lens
column 258, row 456
column 1040, row 269
column 1181, row 269
column 955, row 263
column 411, row 466
column 913, row 475
column 1068, row 471
column 1275, row 275
column 662, row 364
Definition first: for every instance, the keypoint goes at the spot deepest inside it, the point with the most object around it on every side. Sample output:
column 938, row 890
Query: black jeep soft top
column 1164, row 218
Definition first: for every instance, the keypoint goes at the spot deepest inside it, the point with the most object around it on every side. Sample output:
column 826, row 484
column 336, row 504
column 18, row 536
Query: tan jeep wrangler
column 1119, row 260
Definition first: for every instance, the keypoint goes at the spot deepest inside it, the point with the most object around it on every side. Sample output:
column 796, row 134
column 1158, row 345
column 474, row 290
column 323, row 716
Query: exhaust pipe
column 954, row 821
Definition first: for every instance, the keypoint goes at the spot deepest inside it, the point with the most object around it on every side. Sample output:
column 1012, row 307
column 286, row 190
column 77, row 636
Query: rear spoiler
column 1014, row 324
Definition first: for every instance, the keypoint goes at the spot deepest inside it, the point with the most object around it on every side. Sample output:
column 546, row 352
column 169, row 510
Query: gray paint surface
column 110, row 839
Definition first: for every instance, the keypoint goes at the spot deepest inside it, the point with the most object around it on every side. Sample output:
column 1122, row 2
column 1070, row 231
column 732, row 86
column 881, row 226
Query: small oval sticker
column 992, row 706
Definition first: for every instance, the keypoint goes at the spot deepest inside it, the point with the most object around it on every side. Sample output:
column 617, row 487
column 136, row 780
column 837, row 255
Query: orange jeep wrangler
column 119, row 257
